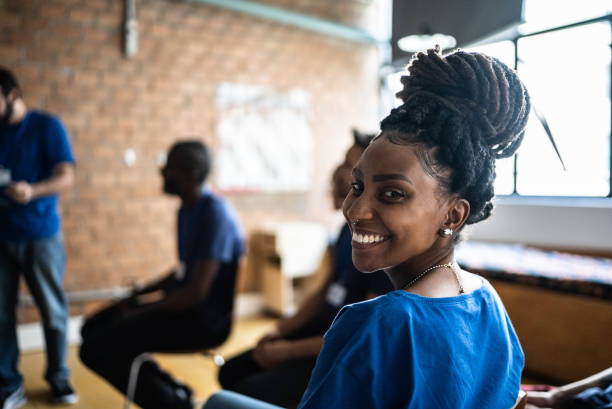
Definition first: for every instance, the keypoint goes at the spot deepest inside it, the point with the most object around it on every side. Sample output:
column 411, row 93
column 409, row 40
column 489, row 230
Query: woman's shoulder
column 374, row 312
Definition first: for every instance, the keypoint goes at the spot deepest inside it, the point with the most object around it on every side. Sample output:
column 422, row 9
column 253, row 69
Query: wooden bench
column 560, row 305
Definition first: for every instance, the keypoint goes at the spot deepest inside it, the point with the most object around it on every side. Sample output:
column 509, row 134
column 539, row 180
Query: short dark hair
column 8, row 82
column 362, row 139
column 465, row 110
column 195, row 156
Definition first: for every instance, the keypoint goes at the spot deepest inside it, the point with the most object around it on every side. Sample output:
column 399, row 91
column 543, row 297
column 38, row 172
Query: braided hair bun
column 467, row 109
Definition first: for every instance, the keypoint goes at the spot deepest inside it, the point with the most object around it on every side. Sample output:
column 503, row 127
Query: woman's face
column 394, row 208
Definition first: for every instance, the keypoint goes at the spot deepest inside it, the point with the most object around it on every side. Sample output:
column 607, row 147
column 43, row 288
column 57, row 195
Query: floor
column 196, row 370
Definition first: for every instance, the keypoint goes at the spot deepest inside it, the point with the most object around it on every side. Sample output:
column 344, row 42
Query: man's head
column 341, row 177
column 186, row 168
column 9, row 94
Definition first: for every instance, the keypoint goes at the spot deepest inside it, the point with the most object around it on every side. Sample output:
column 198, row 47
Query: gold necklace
column 448, row 265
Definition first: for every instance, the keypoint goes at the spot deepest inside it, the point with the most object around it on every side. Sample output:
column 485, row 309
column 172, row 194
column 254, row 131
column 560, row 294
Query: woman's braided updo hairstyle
column 465, row 110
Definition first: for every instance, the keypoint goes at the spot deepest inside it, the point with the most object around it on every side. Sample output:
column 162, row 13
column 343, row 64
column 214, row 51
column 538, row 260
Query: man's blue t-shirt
column 402, row 350
column 31, row 150
column 210, row 231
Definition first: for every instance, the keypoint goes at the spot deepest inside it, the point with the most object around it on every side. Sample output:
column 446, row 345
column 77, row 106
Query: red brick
column 68, row 55
column 68, row 31
column 111, row 20
column 86, row 17
column 10, row 55
column 87, row 79
column 9, row 20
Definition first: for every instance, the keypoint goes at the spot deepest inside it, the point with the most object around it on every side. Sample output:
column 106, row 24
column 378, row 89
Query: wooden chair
column 521, row 400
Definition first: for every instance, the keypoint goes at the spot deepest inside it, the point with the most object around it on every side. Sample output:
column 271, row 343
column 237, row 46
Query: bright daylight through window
column 567, row 72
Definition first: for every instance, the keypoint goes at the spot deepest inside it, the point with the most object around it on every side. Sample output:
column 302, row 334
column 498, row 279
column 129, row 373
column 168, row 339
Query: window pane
column 539, row 14
column 568, row 76
column 504, row 176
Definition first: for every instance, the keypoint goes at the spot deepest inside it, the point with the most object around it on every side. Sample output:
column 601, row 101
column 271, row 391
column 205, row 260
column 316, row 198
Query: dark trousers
column 282, row 385
column 41, row 262
column 110, row 344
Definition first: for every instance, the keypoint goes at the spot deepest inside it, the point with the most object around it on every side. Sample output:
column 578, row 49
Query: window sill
column 554, row 201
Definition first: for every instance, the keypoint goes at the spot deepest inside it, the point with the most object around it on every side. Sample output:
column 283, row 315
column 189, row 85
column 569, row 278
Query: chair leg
column 133, row 378
column 216, row 358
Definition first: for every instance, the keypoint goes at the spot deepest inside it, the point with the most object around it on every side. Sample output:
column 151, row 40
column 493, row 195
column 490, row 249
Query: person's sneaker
column 63, row 393
column 13, row 400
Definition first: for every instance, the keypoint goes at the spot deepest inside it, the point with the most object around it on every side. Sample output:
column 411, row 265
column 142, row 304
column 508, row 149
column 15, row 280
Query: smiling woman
column 443, row 339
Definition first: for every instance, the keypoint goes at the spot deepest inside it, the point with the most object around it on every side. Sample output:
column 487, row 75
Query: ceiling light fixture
column 420, row 42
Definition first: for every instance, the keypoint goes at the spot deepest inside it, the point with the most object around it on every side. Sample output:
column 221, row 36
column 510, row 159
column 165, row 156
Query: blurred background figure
column 277, row 370
column 36, row 163
column 594, row 392
column 190, row 308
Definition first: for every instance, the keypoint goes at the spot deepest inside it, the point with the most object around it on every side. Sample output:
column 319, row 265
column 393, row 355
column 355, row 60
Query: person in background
column 36, row 164
column 594, row 392
column 188, row 309
column 278, row 368
column 443, row 338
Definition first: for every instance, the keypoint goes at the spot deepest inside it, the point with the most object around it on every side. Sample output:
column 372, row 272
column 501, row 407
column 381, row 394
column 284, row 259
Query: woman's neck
column 402, row 274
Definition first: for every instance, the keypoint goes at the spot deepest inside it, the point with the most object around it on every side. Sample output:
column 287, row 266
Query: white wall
column 563, row 223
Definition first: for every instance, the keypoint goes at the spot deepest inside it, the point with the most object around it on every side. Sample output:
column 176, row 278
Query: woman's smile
column 366, row 240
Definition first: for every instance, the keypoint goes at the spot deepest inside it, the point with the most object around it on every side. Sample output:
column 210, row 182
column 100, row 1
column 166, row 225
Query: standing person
column 277, row 370
column 36, row 163
column 188, row 309
column 443, row 339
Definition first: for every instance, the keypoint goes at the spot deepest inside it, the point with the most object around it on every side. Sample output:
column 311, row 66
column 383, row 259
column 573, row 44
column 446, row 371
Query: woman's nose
column 357, row 208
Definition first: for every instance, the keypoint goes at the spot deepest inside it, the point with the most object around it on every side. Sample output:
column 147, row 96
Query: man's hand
column 20, row 192
column 273, row 335
column 554, row 398
column 272, row 353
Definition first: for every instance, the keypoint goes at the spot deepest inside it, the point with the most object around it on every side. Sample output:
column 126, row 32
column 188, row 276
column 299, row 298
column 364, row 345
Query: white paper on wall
column 265, row 142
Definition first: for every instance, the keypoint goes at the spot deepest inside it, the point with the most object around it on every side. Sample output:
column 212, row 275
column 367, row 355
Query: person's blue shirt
column 30, row 150
column 210, row 231
column 401, row 350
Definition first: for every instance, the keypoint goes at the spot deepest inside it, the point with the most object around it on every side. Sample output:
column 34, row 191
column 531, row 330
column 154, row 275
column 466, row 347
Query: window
column 567, row 72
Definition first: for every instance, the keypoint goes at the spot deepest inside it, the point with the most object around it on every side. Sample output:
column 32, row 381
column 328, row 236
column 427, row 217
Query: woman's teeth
column 367, row 238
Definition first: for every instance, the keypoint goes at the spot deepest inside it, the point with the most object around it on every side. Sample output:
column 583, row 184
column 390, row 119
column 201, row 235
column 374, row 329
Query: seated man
column 277, row 370
column 190, row 308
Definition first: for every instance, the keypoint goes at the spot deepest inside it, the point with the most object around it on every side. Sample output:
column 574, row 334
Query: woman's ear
column 457, row 214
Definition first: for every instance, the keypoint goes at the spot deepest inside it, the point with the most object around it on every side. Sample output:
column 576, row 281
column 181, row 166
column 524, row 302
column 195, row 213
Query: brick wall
column 67, row 54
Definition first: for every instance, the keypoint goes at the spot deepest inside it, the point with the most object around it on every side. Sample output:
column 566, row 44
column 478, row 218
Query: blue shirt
column 402, row 350
column 31, row 150
column 210, row 231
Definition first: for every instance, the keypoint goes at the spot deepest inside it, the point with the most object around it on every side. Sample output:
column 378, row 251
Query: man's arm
column 307, row 310
column 203, row 274
column 270, row 354
column 24, row 192
column 562, row 396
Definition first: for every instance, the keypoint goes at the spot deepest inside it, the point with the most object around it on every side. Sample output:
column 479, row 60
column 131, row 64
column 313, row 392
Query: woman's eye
column 393, row 195
column 356, row 188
